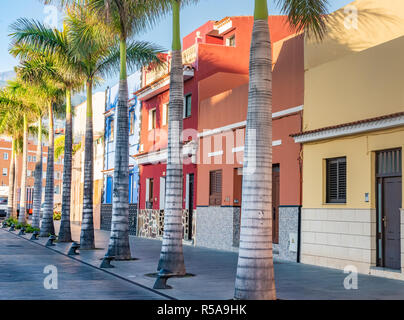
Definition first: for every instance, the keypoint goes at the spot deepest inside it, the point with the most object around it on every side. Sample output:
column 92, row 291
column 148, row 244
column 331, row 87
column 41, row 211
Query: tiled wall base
column 288, row 231
column 218, row 228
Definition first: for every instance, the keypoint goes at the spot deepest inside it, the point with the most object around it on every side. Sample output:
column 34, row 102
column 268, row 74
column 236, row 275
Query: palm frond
column 306, row 15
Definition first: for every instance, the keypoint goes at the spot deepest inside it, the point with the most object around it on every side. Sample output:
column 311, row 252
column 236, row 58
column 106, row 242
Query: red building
column 216, row 65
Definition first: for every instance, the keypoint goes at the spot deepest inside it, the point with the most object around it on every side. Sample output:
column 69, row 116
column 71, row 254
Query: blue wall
column 109, row 152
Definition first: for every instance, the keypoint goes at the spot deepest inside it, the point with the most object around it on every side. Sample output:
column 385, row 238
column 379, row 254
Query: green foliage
column 57, row 215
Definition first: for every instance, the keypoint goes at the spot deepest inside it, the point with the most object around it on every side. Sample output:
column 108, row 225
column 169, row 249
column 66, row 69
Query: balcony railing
column 189, row 56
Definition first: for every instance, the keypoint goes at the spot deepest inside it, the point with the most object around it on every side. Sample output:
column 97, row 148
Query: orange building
column 221, row 131
column 5, row 158
column 216, row 66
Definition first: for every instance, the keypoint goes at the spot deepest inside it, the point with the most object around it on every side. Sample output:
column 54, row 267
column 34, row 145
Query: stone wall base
column 288, row 246
column 218, row 228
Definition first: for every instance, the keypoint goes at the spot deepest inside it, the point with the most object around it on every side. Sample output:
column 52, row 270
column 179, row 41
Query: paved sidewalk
column 215, row 273
column 22, row 276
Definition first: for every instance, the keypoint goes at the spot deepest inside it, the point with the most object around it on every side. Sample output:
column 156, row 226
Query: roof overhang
column 363, row 126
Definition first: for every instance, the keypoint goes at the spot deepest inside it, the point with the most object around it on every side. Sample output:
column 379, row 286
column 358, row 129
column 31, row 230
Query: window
column 29, row 159
column 336, row 180
column 131, row 122
column 149, row 193
column 5, row 155
column 152, row 119
column 215, row 188
column 28, row 173
column 165, row 115
column 57, row 189
column 111, row 130
column 34, row 158
column 44, row 159
column 187, row 105
column 4, row 171
column 231, row 41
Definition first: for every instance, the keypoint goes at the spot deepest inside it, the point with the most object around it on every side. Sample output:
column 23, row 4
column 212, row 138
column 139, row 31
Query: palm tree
column 28, row 36
column 10, row 126
column 171, row 256
column 255, row 270
column 124, row 19
column 94, row 53
column 25, row 97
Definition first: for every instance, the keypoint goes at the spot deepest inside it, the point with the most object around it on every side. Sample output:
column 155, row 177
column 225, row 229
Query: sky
column 191, row 18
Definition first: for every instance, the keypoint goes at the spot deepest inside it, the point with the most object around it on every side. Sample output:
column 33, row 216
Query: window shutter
column 215, row 188
column 336, row 180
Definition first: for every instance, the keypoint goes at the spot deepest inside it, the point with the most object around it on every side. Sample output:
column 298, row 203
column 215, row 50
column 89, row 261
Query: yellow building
column 353, row 136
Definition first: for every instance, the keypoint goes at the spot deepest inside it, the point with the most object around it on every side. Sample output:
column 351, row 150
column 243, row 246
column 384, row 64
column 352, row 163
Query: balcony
column 150, row 77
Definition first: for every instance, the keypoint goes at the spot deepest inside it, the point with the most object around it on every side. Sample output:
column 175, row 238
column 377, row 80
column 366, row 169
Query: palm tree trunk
column 23, row 198
column 65, row 231
column 11, row 182
column 87, row 226
column 47, row 226
column 119, row 240
column 36, row 215
column 171, row 256
column 15, row 200
column 255, row 270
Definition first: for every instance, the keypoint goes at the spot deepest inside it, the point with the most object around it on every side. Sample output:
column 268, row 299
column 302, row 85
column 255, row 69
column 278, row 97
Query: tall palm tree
column 24, row 95
column 255, row 270
column 10, row 126
column 124, row 19
column 28, row 36
column 171, row 256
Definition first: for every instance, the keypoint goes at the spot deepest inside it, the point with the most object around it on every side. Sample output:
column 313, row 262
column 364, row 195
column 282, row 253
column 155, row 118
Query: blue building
column 109, row 153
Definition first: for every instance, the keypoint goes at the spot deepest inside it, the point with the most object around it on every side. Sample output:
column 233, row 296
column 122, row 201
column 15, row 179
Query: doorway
column 388, row 204
column 275, row 202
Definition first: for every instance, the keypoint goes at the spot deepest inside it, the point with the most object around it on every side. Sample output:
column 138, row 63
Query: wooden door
column 275, row 202
column 391, row 221
column 388, row 204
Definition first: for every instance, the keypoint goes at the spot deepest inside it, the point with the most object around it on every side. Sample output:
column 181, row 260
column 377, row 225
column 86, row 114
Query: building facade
column 5, row 158
column 353, row 133
column 216, row 64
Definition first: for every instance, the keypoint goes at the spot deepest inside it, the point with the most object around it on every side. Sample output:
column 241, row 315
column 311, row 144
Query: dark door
column 391, row 221
column 190, row 204
column 275, row 202
column 389, row 199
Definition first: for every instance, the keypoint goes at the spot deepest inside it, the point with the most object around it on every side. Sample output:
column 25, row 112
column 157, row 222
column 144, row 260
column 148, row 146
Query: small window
column 57, row 189
column 44, row 159
column 28, row 173
column 131, row 122
column 149, row 193
column 29, row 159
column 4, row 171
column 215, row 188
column 152, row 119
column 34, row 158
column 111, row 130
column 336, row 180
column 5, row 155
column 231, row 41
column 165, row 115
column 187, row 105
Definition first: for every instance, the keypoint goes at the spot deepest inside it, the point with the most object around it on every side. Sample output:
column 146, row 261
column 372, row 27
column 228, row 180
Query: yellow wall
column 359, row 86
column 378, row 21
column 359, row 151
